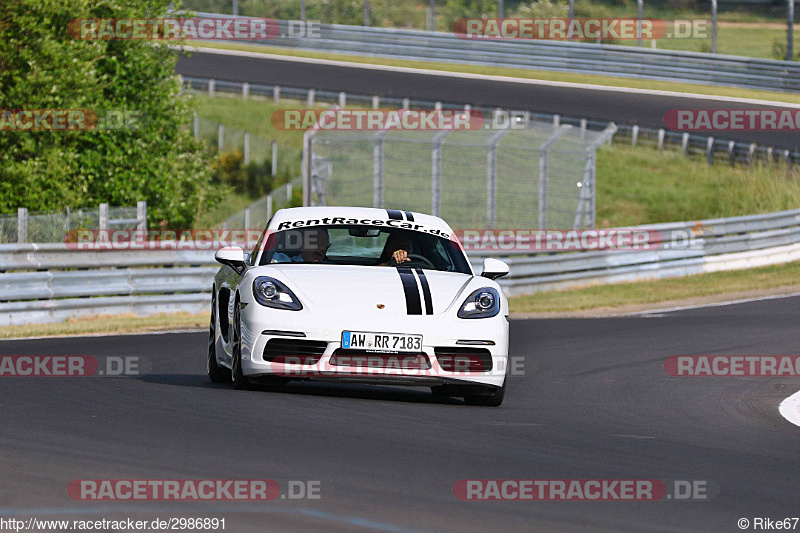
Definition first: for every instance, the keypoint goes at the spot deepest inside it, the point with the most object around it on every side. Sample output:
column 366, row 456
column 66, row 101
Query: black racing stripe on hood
column 411, row 290
column 426, row 291
column 394, row 214
column 409, row 216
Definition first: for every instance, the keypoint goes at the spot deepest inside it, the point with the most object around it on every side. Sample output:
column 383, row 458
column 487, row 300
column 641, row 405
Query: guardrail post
column 211, row 86
column 710, row 150
column 276, row 94
column 685, row 143
column 436, row 172
column 247, row 219
column 377, row 170
column 141, row 215
column 220, row 137
column 376, row 102
column 406, row 103
column 556, row 121
column 196, row 126
column 751, row 153
column 246, row 148
column 584, row 125
column 274, row 167
column 526, row 116
column 661, row 133
column 731, row 155
column 634, row 135
column 342, row 99
column 245, row 90
column 103, row 216
column 22, row 225
column 769, row 155
column 437, row 106
column 310, row 99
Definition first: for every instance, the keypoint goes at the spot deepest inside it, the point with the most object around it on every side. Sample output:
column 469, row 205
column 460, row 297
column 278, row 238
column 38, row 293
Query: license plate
column 381, row 342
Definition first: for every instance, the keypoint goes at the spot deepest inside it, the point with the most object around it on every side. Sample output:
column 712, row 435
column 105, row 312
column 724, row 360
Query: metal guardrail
column 587, row 58
column 51, row 282
column 711, row 148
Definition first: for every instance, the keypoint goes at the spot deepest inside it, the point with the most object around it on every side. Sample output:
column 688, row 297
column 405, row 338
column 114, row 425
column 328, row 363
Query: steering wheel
column 414, row 258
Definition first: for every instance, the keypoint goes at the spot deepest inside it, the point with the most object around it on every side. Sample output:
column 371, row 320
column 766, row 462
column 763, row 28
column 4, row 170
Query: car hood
column 364, row 289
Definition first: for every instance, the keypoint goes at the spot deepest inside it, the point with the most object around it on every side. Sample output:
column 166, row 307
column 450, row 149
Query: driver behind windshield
column 315, row 244
column 396, row 248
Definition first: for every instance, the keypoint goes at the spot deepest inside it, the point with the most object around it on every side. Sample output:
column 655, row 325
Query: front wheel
column 216, row 373
column 494, row 399
column 240, row 382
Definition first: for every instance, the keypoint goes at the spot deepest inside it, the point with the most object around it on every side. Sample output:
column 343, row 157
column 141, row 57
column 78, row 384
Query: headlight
column 272, row 293
column 483, row 303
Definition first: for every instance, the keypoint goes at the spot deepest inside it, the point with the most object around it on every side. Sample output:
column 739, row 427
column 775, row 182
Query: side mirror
column 232, row 256
column 494, row 268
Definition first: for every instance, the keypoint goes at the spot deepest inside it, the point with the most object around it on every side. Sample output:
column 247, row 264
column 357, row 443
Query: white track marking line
column 790, row 408
column 507, row 79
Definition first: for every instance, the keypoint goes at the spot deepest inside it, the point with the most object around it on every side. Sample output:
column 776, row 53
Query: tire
column 216, row 373
column 494, row 399
column 240, row 382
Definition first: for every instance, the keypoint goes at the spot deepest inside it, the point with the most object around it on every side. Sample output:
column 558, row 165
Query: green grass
column 611, row 81
column 107, row 325
column 642, row 185
column 653, row 292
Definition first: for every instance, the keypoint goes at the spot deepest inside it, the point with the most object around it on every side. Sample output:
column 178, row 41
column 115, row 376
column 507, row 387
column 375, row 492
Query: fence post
column 22, row 225
column 220, row 137
column 491, row 176
column 713, row 26
column 141, row 215
column 640, row 6
column 406, row 103
column 751, row 152
column 543, row 155
column 437, row 106
column 556, row 121
column 661, row 133
column 308, row 165
column 710, row 150
column 245, row 90
column 685, row 144
column 269, row 206
column 310, row 98
column 246, row 219
column 246, row 148
column 342, row 99
column 289, row 192
column 769, row 155
column 196, row 126
column 103, row 218
column 731, row 155
column 276, row 94
column 274, row 169
column 376, row 102
column 211, row 86
column 584, row 124
column 436, row 172
column 66, row 221
column 790, row 31
column 634, row 135
column 377, row 171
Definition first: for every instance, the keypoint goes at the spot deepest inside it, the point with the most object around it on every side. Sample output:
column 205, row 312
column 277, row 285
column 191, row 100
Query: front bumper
column 261, row 324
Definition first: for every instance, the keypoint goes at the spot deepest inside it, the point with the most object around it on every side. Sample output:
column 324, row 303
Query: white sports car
column 360, row 295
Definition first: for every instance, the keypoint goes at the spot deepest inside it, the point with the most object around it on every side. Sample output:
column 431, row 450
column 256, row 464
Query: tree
column 152, row 158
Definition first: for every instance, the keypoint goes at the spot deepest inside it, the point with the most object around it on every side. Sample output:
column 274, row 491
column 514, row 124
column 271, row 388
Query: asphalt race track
column 623, row 107
column 594, row 403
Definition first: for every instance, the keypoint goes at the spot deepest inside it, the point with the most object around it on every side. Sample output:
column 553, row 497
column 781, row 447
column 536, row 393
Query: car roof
column 373, row 213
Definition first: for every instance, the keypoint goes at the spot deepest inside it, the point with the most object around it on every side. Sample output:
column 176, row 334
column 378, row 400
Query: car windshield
column 364, row 246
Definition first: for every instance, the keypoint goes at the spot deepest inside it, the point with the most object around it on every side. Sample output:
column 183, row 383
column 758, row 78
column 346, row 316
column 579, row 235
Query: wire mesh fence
column 535, row 175
column 41, row 227
column 256, row 215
